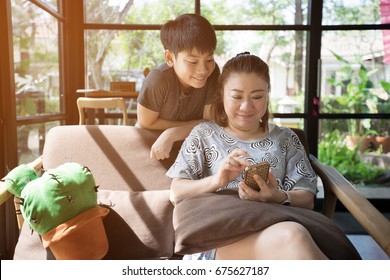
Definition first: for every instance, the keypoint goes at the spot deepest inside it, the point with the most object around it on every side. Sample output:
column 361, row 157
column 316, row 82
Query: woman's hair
column 241, row 63
column 187, row 32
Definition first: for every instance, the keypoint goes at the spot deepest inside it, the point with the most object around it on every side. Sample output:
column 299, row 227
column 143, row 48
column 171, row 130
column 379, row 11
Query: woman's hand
column 269, row 191
column 231, row 168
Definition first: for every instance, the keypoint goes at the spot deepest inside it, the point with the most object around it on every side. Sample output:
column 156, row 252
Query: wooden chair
column 101, row 103
column 126, row 87
column 146, row 71
column 125, row 90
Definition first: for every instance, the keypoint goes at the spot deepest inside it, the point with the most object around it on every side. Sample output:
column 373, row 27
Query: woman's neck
column 247, row 135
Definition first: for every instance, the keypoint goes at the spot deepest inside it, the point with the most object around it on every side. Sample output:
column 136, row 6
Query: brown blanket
column 212, row 220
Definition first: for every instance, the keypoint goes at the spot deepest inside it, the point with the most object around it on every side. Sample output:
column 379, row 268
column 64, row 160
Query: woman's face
column 245, row 100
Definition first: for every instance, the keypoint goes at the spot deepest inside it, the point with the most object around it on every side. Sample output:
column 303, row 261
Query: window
column 36, row 33
column 354, row 89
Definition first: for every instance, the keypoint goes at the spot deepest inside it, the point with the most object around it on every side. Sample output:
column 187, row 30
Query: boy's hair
column 187, row 32
column 241, row 63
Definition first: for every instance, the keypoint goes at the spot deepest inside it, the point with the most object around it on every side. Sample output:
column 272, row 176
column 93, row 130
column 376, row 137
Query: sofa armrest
column 336, row 187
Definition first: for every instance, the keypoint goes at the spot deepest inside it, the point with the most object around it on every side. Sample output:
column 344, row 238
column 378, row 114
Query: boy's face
column 192, row 68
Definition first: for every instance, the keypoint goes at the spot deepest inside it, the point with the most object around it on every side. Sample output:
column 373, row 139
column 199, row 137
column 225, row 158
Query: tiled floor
column 367, row 247
column 364, row 244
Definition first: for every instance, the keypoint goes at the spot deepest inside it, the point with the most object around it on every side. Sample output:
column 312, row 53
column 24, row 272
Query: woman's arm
column 302, row 198
column 229, row 169
column 181, row 188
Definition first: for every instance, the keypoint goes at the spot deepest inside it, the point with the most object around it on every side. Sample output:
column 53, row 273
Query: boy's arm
column 150, row 119
column 173, row 130
column 162, row 147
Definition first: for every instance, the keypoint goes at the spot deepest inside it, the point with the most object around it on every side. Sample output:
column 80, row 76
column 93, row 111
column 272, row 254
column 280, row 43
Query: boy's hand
column 161, row 149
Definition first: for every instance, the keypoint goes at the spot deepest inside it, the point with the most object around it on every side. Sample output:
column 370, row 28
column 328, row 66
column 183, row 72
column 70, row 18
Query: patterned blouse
column 209, row 144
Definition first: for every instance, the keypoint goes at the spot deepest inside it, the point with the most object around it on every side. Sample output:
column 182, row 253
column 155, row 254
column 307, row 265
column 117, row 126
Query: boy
column 177, row 95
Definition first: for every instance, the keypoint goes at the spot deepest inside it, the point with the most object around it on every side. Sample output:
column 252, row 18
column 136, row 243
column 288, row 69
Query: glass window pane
column 355, row 76
column 255, row 12
column 135, row 12
column 351, row 12
column 35, row 39
column 360, row 158
column 385, row 11
column 357, row 127
column 53, row 4
column 289, row 122
column 121, row 56
column 31, row 139
column 283, row 51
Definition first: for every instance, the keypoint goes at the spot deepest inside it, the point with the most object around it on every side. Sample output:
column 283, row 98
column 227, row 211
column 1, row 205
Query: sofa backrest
column 118, row 156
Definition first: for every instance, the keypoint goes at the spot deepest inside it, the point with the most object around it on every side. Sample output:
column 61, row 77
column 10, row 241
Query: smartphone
column 260, row 169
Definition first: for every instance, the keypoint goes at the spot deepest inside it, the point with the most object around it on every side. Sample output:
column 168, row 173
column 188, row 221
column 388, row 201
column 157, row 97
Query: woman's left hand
column 269, row 191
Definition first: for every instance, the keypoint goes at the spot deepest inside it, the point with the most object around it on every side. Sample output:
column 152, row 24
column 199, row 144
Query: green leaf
column 386, row 86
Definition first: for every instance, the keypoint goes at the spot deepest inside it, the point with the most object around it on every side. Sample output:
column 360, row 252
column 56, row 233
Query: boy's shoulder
column 162, row 74
column 162, row 69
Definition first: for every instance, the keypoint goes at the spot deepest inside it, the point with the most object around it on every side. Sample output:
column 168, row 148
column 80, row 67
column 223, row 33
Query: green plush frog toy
column 62, row 207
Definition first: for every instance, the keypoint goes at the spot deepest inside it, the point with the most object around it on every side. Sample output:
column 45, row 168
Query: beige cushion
column 139, row 225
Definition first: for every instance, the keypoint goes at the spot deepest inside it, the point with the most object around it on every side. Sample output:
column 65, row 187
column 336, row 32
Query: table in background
column 98, row 93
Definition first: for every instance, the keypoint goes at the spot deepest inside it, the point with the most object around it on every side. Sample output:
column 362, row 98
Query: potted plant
column 360, row 96
column 61, row 206
column 332, row 151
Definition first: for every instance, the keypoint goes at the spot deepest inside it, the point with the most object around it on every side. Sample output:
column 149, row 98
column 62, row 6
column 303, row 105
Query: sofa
column 140, row 224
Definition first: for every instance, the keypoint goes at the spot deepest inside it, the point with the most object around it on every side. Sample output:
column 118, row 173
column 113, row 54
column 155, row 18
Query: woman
column 215, row 154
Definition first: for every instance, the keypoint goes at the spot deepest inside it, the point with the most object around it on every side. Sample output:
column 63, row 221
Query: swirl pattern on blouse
column 195, row 168
column 288, row 183
column 296, row 142
column 263, row 145
column 193, row 145
column 273, row 160
column 211, row 155
column 284, row 144
column 227, row 139
column 205, row 131
column 302, row 169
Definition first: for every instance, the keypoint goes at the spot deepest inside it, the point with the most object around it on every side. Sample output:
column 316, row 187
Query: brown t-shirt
column 161, row 92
